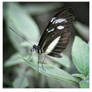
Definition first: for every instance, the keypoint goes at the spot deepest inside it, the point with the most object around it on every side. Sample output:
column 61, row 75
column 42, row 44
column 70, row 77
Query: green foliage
column 50, row 70
column 84, row 84
column 80, row 54
column 82, row 30
column 13, row 60
column 21, row 22
column 20, row 82
column 79, row 76
column 65, row 61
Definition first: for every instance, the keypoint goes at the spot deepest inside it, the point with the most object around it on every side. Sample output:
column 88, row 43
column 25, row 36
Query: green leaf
column 50, row 70
column 82, row 29
column 65, row 61
column 43, row 81
column 80, row 55
column 54, row 83
column 13, row 60
column 41, row 8
column 20, row 82
column 23, row 24
column 29, row 75
column 79, row 76
column 84, row 84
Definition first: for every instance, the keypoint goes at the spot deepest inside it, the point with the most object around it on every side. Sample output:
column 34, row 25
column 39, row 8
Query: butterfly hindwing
column 61, row 44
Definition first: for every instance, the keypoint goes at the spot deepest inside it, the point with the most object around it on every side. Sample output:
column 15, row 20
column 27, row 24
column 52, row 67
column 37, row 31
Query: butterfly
column 56, row 35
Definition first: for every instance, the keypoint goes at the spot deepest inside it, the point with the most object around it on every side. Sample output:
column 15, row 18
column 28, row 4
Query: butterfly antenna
column 20, row 35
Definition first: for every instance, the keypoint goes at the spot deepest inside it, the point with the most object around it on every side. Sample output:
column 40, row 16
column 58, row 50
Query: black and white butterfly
column 56, row 35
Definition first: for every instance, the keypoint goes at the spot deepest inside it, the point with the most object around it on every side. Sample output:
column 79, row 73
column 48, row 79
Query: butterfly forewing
column 56, row 35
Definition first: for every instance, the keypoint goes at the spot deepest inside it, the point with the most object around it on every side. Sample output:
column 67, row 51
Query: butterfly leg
column 39, row 54
column 30, row 54
column 43, row 61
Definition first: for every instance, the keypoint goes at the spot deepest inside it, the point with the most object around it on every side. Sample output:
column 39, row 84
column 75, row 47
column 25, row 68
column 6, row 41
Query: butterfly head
column 35, row 47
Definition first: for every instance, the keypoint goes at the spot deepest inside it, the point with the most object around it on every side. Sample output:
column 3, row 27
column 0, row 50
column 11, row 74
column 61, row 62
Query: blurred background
column 39, row 13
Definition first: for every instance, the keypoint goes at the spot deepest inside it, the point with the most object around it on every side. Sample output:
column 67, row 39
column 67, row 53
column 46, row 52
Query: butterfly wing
column 56, row 35
column 61, row 45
